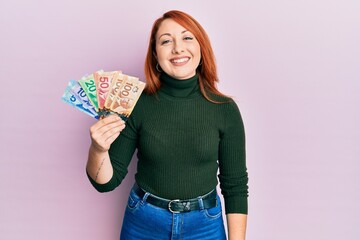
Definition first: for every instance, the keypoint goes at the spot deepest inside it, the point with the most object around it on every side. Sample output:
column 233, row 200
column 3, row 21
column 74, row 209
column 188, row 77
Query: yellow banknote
column 127, row 95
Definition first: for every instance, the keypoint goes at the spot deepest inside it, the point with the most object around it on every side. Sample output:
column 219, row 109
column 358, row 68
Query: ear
column 155, row 56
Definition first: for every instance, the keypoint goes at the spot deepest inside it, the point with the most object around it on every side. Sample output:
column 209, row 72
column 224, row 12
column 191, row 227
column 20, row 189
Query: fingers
column 105, row 121
column 113, row 131
column 105, row 131
column 112, row 138
column 110, row 126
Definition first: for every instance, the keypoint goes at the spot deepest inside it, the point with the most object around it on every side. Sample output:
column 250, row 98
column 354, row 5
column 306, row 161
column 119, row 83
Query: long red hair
column 206, row 70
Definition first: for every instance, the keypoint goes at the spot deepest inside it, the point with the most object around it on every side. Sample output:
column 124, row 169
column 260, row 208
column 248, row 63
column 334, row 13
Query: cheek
column 161, row 58
column 160, row 54
column 196, row 51
column 197, row 54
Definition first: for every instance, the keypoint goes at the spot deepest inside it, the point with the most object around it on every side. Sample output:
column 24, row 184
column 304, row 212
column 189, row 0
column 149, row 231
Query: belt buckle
column 169, row 206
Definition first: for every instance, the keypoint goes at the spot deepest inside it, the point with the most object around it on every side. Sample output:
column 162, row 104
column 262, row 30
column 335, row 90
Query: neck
column 179, row 88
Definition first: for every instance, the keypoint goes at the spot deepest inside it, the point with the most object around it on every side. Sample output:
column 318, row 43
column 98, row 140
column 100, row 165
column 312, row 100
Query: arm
column 102, row 133
column 233, row 172
column 236, row 223
column 99, row 166
column 110, row 152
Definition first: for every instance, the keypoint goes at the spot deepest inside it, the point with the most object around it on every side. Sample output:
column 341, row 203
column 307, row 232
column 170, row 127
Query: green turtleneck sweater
column 182, row 140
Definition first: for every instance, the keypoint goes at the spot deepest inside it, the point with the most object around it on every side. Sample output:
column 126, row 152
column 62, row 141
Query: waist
column 206, row 201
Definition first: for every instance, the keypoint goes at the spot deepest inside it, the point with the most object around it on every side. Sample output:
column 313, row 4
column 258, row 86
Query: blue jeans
column 144, row 221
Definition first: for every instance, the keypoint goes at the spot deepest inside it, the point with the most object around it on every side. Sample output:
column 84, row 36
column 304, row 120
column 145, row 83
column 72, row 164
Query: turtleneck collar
column 179, row 88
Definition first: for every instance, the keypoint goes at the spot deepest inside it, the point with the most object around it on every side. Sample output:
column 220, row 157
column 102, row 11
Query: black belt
column 178, row 206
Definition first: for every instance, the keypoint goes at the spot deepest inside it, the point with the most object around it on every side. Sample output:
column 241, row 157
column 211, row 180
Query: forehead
column 169, row 26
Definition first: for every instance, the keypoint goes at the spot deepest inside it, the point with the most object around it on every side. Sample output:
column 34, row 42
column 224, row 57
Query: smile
column 179, row 60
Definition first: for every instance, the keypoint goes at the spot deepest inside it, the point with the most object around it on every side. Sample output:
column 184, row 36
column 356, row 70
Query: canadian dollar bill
column 104, row 93
column 88, row 84
column 114, row 89
column 103, row 82
column 127, row 96
column 80, row 94
column 70, row 98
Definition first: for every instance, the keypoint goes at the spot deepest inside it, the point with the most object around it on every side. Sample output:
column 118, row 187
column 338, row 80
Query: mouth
column 179, row 61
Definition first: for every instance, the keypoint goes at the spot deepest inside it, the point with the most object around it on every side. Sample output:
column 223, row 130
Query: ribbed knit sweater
column 182, row 140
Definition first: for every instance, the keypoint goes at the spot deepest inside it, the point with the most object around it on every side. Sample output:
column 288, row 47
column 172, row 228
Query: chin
column 182, row 76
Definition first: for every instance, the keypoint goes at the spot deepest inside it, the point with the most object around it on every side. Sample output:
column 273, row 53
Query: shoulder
column 223, row 100
column 218, row 98
column 229, row 110
column 225, row 103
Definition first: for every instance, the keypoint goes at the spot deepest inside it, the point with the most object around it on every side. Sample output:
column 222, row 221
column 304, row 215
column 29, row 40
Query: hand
column 104, row 132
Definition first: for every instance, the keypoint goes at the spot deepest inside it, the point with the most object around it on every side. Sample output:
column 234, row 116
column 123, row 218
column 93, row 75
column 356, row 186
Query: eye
column 165, row 42
column 188, row 38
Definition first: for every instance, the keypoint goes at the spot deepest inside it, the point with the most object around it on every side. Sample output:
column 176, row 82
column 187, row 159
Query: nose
column 178, row 47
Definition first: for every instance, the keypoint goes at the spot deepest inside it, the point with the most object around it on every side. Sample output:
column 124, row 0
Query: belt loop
column 201, row 203
column 136, row 187
column 145, row 196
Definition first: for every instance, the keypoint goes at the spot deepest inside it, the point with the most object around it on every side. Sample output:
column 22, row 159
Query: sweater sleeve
column 233, row 172
column 120, row 153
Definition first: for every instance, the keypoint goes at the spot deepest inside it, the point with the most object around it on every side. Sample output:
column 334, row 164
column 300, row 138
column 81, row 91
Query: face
column 177, row 50
column 126, row 103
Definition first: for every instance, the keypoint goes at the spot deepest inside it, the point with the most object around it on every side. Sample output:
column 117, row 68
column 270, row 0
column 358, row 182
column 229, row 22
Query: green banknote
column 88, row 84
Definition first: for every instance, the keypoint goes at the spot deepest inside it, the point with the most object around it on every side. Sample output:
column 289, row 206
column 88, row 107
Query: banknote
column 103, row 82
column 103, row 93
column 70, row 98
column 127, row 96
column 88, row 84
column 114, row 89
column 79, row 92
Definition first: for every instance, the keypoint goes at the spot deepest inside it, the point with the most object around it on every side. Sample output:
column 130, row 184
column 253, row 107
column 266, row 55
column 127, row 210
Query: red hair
column 207, row 70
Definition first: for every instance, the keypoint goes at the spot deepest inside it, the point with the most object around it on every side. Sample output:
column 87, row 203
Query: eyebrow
column 168, row 34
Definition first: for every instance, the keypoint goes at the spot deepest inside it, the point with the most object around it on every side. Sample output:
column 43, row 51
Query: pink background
column 292, row 66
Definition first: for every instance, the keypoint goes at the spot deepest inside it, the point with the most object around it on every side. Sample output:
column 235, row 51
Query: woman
column 184, row 130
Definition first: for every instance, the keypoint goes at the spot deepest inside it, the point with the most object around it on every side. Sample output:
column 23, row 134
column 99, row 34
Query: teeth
column 180, row 60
